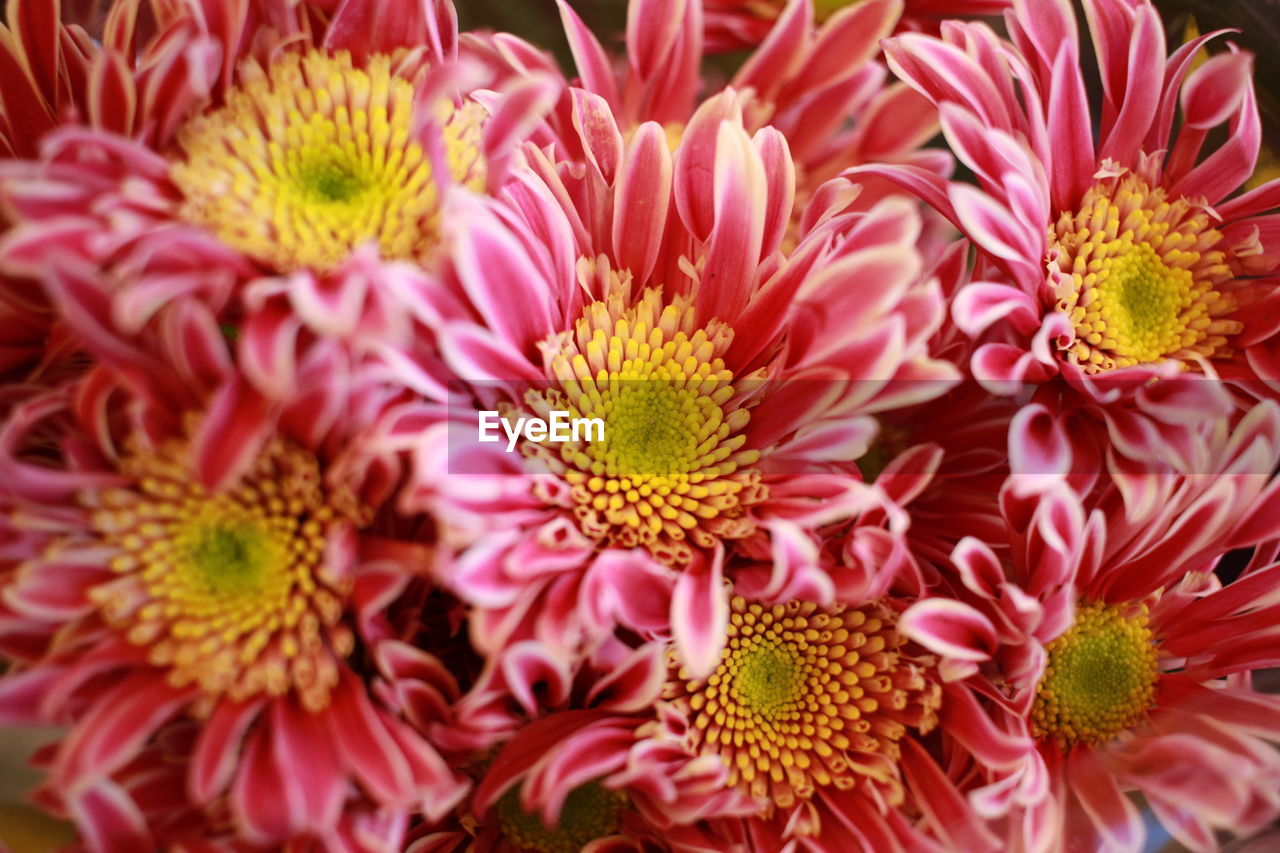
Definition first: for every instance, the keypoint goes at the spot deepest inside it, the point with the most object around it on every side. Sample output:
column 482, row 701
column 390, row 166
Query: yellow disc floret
column 672, row 468
column 1100, row 678
column 1141, row 277
column 806, row 697
column 314, row 156
column 823, row 9
column 590, row 812
column 229, row 590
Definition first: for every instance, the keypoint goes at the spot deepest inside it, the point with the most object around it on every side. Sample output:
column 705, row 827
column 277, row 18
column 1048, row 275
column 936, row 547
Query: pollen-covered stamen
column 1100, row 678
column 590, row 812
column 314, row 156
column 1141, row 278
column 671, row 469
column 229, row 590
column 806, row 697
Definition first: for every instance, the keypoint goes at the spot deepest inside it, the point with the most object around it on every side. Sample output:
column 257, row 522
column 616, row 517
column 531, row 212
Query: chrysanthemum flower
column 735, row 24
column 144, row 805
column 1115, row 251
column 820, row 715
column 758, row 367
column 821, row 89
column 1118, row 649
column 144, row 594
column 574, row 771
column 311, row 142
column 806, row 735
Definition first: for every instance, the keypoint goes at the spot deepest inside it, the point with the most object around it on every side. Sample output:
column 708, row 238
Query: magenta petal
column 1213, row 91
column 741, row 192
column 641, row 197
column 257, row 798
column 700, row 616
column 634, row 684
column 365, row 747
column 22, row 693
column 489, row 258
column 589, row 57
column 217, row 751
column 112, row 732
column 950, row 628
column 238, row 422
column 110, row 820
column 1114, row 817
column 1071, row 130
column 305, row 767
column 372, row 26
column 695, row 162
column 536, row 678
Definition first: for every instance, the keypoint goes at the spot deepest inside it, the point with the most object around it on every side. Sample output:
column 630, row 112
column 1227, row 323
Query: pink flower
column 138, row 593
column 1112, row 251
column 790, row 359
column 1119, row 649
column 822, row 90
column 208, row 192
column 575, row 770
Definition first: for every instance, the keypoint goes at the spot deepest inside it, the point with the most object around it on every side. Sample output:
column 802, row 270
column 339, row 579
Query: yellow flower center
column 1100, row 678
column 1143, row 278
column 823, row 9
column 314, row 156
column 591, row 811
column 671, row 469
column 805, row 697
column 229, row 590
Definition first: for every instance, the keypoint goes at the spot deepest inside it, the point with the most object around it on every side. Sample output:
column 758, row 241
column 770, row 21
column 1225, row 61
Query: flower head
column 1120, row 647
column 1118, row 259
column 807, row 697
column 313, row 156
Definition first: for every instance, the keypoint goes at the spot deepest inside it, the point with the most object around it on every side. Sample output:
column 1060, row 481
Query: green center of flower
column 332, row 181
column 1142, row 278
column 232, row 558
column 1100, row 677
column 806, row 697
column 769, row 677
column 316, row 155
column 655, row 426
column 591, row 811
column 230, row 590
column 672, row 469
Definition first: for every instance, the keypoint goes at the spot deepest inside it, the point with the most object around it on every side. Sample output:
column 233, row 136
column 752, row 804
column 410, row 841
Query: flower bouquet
column 412, row 442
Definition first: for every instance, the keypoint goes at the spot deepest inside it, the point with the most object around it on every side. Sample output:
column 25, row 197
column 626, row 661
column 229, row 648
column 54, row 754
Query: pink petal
column 536, row 678
column 114, row 729
column 381, row 26
column 780, row 172
column 695, row 162
column 488, row 259
column 592, row 63
column 979, row 305
column 700, row 616
column 110, row 820
column 217, row 750
column 364, row 746
column 1114, row 817
column 641, row 197
column 238, row 422
column 1071, row 130
column 950, row 628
